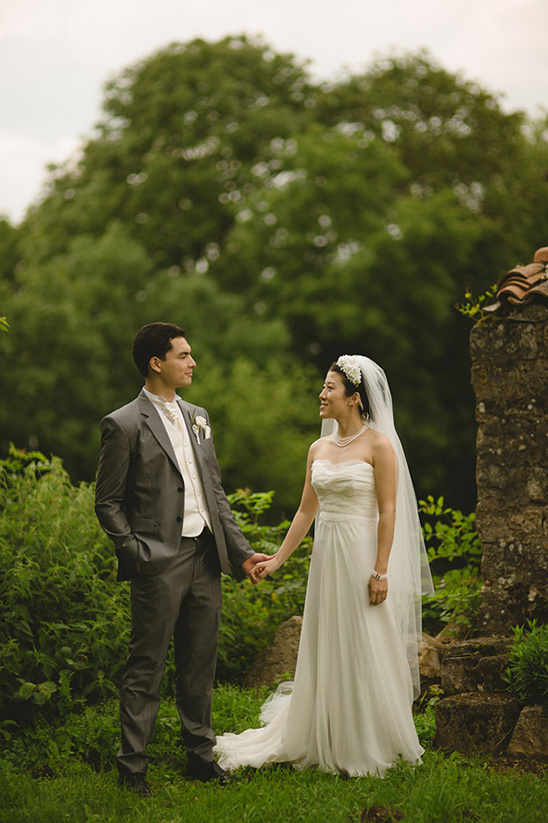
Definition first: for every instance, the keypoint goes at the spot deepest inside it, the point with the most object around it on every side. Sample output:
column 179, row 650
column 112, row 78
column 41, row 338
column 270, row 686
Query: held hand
column 272, row 565
column 250, row 566
column 378, row 591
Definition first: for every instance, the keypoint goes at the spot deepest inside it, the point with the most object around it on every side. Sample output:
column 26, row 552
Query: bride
column 349, row 707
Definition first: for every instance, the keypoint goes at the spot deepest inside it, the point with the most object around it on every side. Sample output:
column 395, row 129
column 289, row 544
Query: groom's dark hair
column 154, row 340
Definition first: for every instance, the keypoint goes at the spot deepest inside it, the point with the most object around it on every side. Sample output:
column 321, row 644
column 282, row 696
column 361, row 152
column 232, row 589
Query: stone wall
column 477, row 715
column 510, row 379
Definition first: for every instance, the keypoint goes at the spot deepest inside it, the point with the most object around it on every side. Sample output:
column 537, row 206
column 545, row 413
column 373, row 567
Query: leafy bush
column 454, row 553
column 90, row 735
column 251, row 614
column 63, row 620
column 527, row 673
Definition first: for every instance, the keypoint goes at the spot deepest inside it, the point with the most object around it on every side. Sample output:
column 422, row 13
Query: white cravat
column 196, row 513
column 173, row 413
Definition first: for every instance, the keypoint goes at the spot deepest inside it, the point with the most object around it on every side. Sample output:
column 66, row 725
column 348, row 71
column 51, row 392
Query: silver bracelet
column 378, row 576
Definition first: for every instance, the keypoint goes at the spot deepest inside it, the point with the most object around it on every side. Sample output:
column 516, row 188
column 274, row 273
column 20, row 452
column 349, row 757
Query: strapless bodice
column 345, row 490
column 349, row 708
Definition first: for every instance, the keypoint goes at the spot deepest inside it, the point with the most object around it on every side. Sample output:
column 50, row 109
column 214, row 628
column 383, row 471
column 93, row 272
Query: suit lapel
column 157, row 427
column 196, row 447
column 205, row 475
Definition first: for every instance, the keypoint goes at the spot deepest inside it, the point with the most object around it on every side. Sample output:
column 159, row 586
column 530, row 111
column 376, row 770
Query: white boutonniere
column 199, row 424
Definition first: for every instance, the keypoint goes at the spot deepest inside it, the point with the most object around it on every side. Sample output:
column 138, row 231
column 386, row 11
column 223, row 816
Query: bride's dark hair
column 350, row 389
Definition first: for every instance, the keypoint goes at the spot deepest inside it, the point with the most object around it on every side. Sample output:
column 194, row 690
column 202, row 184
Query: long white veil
column 408, row 570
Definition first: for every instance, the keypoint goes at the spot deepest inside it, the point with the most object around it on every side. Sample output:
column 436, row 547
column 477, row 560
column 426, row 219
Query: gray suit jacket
column 139, row 497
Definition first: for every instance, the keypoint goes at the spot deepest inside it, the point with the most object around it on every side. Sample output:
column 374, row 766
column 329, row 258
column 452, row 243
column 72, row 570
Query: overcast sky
column 55, row 56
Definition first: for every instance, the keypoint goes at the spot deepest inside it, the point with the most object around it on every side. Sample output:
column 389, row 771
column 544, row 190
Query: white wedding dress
column 349, row 707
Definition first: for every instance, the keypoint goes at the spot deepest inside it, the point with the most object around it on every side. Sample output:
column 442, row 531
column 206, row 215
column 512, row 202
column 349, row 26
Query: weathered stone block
column 499, row 615
column 503, row 392
column 507, row 602
column 520, row 423
column 518, row 334
column 510, row 379
column 476, row 723
column 516, row 526
column 431, row 653
column 510, row 562
column 537, row 484
column 466, row 674
column 487, row 646
column 476, row 665
column 279, row 658
column 530, row 736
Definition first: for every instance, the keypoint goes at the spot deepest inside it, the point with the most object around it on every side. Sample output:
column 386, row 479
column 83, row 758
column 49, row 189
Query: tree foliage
column 282, row 221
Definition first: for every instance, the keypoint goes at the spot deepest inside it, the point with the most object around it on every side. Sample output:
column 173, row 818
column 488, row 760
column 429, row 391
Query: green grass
column 66, row 773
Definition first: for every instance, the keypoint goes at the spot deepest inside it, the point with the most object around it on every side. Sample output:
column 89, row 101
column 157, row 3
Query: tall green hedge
column 64, row 620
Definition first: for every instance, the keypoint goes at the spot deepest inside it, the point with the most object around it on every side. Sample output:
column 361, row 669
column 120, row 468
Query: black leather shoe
column 207, row 772
column 136, row 783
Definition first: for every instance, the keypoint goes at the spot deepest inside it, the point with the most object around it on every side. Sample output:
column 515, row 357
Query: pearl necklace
column 345, row 441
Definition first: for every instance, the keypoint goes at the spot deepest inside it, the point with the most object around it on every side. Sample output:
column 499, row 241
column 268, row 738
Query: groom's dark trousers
column 177, row 592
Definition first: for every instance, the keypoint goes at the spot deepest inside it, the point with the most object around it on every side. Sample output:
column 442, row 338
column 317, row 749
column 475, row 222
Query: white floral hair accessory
column 351, row 368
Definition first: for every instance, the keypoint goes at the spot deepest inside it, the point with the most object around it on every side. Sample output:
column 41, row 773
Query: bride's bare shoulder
column 318, row 446
column 380, row 444
column 378, row 437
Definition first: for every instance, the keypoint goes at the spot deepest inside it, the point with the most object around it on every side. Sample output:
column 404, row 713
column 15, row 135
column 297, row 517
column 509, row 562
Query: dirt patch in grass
column 521, row 765
column 379, row 814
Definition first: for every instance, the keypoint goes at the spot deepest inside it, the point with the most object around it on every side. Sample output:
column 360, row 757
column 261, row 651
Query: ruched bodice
column 345, row 490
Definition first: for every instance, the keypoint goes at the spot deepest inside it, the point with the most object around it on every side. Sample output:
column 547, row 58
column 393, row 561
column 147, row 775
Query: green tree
column 9, row 257
column 264, row 418
column 364, row 267
column 282, row 221
column 450, row 133
column 174, row 150
column 68, row 358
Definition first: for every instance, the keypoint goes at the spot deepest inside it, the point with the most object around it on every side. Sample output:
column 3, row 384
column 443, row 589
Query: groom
column 159, row 498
